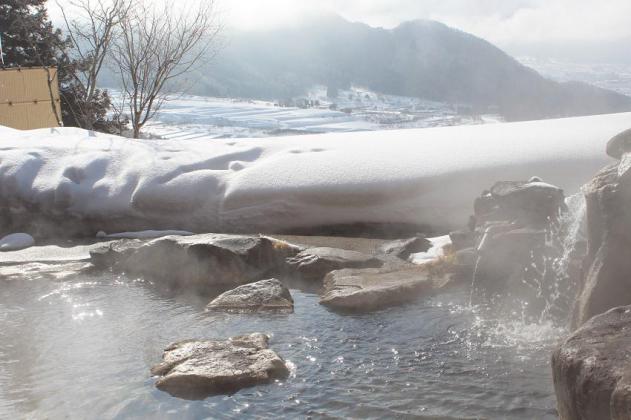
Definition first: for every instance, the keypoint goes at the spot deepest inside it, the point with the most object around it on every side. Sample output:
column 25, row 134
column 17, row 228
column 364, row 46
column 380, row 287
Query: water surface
column 83, row 347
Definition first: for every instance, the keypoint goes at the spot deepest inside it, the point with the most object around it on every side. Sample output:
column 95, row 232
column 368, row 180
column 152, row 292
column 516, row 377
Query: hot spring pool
column 83, row 347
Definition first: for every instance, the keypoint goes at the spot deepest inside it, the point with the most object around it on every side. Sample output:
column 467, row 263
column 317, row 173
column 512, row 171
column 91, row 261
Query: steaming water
column 82, row 348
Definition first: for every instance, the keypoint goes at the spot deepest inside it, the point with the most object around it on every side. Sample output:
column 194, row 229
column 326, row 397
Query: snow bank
column 424, row 176
column 16, row 241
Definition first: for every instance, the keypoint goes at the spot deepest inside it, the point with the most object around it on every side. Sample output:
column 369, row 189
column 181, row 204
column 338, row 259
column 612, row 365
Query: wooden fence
column 29, row 98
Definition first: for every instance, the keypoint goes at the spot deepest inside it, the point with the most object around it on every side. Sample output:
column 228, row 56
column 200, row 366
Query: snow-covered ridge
column 421, row 176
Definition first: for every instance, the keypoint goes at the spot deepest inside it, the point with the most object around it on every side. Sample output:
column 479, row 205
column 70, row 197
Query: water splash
column 492, row 330
column 573, row 230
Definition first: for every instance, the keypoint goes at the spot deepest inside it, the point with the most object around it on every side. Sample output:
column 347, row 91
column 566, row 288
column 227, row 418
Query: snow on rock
column 16, row 241
column 436, row 251
column 419, row 176
column 144, row 234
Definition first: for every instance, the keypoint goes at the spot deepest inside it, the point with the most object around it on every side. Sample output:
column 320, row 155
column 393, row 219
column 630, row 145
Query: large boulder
column 197, row 369
column 263, row 296
column 532, row 203
column 315, row 263
column 591, row 369
column 363, row 290
column 199, row 262
column 607, row 281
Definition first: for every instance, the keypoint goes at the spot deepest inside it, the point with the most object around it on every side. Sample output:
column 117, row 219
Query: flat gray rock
column 263, row 296
column 369, row 289
column 197, row 369
column 315, row 263
column 591, row 369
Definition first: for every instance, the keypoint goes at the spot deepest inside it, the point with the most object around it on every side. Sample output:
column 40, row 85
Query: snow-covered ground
column 422, row 176
column 188, row 117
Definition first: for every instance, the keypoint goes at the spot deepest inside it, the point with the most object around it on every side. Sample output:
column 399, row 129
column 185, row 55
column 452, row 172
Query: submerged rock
column 315, row 263
column 373, row 288
column 403, row 248
column 16, row 242
column 263, row 296
column 591, row 370
column 199, row 261
column 197, row 369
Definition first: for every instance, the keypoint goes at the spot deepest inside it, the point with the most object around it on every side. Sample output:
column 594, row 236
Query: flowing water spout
column 529, row 246
column 571, row 239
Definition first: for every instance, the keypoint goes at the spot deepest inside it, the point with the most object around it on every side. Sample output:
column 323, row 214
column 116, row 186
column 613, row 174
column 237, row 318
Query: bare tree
column 158, row 45
column 119, row 118
column 92, row 30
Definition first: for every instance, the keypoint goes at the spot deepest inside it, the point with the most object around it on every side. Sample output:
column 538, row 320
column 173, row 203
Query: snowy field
column 421, row 176
column 189, row 117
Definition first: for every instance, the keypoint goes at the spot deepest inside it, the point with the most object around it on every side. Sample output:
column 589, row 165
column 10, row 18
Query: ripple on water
column 84, row 348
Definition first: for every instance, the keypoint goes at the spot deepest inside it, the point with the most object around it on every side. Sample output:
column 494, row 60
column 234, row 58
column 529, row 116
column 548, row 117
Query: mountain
column 421, row 58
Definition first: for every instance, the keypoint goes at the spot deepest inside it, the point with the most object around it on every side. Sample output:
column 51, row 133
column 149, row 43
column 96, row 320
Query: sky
column 526, row 27
column 511, row 24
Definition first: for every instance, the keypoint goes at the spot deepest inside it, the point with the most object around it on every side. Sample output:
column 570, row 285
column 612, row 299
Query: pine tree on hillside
column 29, row 39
